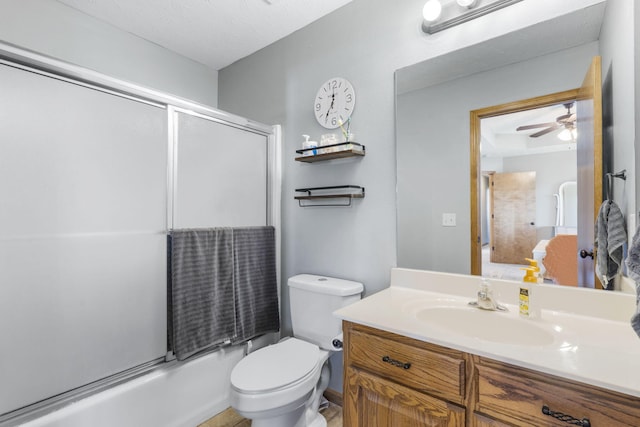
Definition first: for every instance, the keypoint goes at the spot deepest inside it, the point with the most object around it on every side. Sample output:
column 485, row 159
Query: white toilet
column 281, row 385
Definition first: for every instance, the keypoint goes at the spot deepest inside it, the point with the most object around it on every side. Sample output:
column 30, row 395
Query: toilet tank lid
column 325, row 285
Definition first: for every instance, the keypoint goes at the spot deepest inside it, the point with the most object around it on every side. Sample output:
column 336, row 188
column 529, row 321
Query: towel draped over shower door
column 255, row 282
column 222, row 287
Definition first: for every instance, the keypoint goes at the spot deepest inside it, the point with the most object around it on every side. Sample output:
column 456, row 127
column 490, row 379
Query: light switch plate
column 448, row 220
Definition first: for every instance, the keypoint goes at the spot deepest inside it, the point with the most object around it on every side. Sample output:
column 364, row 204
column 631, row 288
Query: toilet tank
column 313, row 299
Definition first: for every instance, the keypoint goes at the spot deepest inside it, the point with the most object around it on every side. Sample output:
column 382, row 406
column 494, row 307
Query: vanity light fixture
column 432, row 10
column 469, row 4
column 457, row 12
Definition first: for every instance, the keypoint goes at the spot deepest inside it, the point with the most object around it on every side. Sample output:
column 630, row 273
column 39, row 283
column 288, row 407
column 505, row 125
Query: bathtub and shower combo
column 96, row 173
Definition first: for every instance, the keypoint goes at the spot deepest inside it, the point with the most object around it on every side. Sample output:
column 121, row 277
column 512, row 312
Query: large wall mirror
column 534, row 75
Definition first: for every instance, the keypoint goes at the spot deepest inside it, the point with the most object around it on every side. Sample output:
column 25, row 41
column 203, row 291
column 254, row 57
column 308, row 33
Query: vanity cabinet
column 393, row 380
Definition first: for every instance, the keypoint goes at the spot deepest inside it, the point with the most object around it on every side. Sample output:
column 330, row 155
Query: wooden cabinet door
column 371, row 401
column 482, row 421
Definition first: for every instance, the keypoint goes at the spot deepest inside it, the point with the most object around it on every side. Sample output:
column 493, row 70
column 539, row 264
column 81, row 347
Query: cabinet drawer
column 408, row 364
column 517, row 396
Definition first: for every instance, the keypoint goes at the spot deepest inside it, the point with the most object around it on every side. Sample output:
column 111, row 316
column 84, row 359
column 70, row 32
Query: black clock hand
column 333, row 100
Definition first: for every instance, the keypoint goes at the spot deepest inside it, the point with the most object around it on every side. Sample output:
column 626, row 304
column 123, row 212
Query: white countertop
column 593, row 341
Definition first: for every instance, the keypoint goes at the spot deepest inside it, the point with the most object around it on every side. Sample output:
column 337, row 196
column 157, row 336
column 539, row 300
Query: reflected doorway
column 514, row 223
column 573, row 255
column 526, row 164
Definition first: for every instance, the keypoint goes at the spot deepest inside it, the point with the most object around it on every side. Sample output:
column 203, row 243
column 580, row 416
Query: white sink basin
column 494, row 326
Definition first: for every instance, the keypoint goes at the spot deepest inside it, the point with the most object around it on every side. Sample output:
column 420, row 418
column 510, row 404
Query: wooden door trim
column 595, row 75
column 592, row 89
column 476, row 116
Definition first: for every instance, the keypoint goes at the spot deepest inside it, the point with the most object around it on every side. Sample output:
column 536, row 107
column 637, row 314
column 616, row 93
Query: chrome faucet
column 486, row 300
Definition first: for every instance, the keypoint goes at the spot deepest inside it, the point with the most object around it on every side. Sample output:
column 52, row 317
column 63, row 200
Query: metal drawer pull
column 566, row 418
column 397, row 363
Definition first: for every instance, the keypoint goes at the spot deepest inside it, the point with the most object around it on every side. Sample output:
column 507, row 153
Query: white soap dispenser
column 306, row 144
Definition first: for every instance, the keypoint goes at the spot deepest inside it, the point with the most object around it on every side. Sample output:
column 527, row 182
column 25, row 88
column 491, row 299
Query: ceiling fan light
column 574, row 133
column 432, row 10
column 469, row 4
column 565, row 135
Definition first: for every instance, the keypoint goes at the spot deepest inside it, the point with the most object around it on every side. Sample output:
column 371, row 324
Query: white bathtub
column 182, row 395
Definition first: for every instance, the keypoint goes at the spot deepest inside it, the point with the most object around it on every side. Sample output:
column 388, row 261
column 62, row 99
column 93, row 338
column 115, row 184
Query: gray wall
column 433, row 151
column 56, row 30
column 618, row 59
column 365, row 42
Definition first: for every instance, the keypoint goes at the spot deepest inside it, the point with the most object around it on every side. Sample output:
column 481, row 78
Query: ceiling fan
column 565, row 121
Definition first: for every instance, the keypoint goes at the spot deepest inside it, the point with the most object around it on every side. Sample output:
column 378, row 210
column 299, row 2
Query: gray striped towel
column 610, row 236
column 255, row 282
column 222, row 287
column 201, row 295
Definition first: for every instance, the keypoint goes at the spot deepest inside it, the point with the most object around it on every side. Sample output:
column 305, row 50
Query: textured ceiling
column 213, row 32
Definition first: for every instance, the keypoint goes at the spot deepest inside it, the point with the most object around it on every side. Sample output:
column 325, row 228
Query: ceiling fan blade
column 545, row 131
column 538, row 125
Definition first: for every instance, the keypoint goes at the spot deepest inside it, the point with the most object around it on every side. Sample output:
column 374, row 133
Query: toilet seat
column 275, row 367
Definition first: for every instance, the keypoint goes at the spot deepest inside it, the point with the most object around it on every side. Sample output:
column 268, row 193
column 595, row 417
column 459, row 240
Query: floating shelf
column 345, row 149
column 337, row 195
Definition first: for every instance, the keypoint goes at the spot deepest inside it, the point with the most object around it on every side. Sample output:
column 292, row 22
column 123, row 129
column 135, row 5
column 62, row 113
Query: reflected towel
column 610, row 236
column 633, row 267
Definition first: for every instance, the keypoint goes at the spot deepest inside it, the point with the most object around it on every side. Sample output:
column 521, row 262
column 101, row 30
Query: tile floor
column 500, row 271
column 230, row 418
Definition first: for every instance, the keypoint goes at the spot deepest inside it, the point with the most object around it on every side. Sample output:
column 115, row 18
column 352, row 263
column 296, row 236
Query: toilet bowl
column 281, row 385
column 277, row 385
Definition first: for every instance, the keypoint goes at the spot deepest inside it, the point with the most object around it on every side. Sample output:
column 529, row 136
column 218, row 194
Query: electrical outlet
column 448, row 220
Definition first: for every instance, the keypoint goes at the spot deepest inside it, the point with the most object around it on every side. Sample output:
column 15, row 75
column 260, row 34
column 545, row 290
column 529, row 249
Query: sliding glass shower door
column 82, row 235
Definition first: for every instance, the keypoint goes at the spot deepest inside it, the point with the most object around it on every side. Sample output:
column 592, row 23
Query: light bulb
column 565, row 135
column 467, row 3
column 432, row 10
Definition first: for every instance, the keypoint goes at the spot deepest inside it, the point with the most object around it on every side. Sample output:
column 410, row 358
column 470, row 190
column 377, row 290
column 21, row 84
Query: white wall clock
column 334, row 102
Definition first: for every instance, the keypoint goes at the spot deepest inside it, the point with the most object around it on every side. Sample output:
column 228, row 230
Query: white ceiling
column 213, row 32
column 499, row 137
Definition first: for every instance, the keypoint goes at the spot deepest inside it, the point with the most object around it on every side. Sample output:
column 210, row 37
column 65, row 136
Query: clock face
column 334, row 102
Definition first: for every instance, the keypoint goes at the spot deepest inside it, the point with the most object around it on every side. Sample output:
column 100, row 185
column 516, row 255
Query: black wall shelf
column 340, row 193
